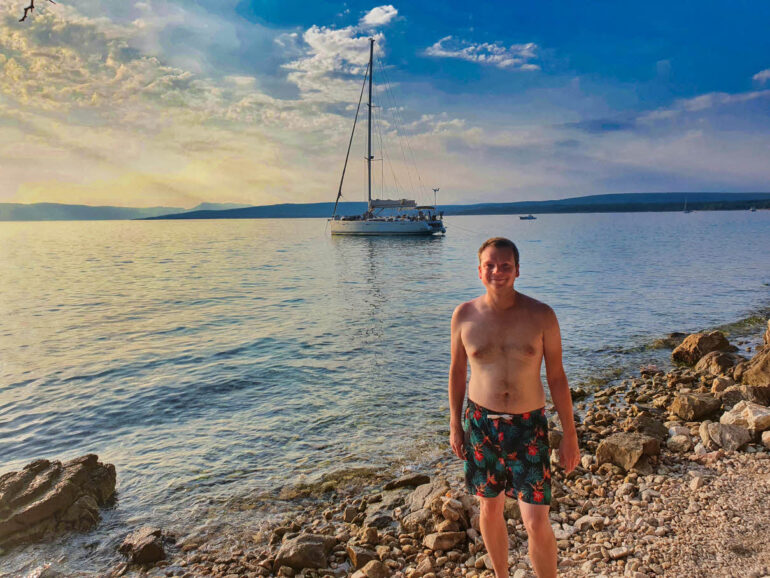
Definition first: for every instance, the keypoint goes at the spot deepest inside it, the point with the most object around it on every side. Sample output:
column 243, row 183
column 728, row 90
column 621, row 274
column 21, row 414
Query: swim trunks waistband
column 491, row 414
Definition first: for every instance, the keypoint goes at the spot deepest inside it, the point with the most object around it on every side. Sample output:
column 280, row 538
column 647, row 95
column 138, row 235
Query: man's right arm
column 458, row 372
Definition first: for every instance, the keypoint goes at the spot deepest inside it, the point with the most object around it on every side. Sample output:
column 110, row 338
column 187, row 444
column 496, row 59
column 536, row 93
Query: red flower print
column 532, row 449
column 537, row 495
column 500, row 436
column 525, row 415
column 478, row 455
column 477, row 415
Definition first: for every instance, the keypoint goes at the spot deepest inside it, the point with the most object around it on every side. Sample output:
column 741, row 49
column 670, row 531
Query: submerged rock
column 50, row 497
column 145, row 546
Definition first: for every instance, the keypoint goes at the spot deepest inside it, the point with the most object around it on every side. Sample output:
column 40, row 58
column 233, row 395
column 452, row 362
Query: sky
column 173, row 103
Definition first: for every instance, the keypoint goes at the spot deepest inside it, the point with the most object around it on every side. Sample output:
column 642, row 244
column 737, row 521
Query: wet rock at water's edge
column 50, row 497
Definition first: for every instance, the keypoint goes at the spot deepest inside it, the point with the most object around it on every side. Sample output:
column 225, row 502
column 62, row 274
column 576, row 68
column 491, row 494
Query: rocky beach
column 674, row 480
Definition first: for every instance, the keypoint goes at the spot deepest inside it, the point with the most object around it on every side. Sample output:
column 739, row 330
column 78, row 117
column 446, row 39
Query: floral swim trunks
column 507, row 452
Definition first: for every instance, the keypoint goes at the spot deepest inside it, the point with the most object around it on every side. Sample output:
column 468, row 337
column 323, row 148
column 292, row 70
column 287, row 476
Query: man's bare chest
column 488, row 341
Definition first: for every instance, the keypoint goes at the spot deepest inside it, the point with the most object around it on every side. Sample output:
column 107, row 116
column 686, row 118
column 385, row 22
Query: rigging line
column 350, row 143
column 411, row 152
column 423, row 190
column 383, row 151
column 386, row 158
column 399, row 125
column 378, row 129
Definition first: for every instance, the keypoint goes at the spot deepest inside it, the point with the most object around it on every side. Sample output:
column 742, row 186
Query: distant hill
column 623, row 203
column 218, row 206
column 60, row 212
column 615, row 203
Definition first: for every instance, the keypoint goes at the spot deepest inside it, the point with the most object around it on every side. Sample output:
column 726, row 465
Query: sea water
column 218, row 359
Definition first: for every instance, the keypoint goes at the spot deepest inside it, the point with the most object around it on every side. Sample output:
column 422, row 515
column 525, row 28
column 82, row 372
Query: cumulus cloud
column 762, row 76
column 332, row 61
column 379, row 16
column 515, row 57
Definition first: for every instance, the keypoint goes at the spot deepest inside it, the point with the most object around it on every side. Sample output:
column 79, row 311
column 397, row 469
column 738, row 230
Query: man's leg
column 495, row 532
column 542, row 543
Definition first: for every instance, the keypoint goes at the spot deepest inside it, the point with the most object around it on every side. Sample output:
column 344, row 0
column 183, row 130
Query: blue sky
column 174, row 103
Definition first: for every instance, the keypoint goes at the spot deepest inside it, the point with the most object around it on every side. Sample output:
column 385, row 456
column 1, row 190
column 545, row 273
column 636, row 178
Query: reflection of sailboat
column 686, row 210
column 383, row 216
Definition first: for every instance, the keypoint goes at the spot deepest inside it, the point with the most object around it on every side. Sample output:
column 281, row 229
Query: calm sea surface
column 210, row 360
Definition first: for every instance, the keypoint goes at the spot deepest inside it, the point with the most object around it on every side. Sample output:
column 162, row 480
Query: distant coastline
column 611, row 203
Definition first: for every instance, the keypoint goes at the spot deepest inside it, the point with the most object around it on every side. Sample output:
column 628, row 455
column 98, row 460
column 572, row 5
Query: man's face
column 498, row 268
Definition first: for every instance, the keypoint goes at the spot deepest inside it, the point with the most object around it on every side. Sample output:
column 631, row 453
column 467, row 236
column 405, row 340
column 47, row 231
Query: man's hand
column 457, row 440
column 569, row 453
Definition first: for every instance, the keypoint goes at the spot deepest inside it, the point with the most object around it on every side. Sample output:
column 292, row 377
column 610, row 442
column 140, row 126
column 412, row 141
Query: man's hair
column 500, row 243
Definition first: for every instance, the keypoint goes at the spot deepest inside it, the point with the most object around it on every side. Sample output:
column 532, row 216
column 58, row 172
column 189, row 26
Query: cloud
column 329, row 64
column 762, row 76
column 515, row 57
column 379, row 16
column 703, row 102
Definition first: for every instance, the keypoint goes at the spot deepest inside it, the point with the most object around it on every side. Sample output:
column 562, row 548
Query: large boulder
column 646, row 424
column 360, row 556
column 49, row 497
column 697, row 345
column 305, row 551
column 145, row 546
column 718, row 362
column 766, row 336
column 426, row 493
column 750, row 415
column 627, row 449
column 694, row 406
column 443, row 540
column 736, row 393
column 729, row 437
column 408, row 481
column 757, row 370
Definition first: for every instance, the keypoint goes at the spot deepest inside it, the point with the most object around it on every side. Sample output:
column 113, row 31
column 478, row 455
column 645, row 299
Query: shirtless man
column 503, row 434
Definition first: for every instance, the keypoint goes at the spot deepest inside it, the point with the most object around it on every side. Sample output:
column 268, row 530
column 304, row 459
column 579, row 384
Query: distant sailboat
column 405, row 218
column 527, row 217
column 686, row 210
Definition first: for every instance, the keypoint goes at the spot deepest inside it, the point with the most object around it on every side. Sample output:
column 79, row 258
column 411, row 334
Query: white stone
column 749, row 415
column 678, row 430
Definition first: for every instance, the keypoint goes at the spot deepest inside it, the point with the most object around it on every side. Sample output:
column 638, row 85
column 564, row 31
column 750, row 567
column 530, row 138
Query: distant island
column 611, row 203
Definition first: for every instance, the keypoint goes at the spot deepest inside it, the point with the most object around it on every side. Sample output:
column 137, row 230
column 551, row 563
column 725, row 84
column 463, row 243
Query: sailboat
column 686, row 210
column 383, row 216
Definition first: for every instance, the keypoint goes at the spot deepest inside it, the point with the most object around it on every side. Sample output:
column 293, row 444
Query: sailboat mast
column 369, row 133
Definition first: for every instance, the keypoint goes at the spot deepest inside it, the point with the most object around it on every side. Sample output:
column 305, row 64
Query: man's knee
column 492, row 507
column 535, row 519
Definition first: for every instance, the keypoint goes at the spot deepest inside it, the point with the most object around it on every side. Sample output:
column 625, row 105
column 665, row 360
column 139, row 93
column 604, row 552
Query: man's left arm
column 569, row 453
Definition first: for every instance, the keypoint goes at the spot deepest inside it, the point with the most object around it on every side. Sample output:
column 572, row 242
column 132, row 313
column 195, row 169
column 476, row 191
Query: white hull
column 372, row 227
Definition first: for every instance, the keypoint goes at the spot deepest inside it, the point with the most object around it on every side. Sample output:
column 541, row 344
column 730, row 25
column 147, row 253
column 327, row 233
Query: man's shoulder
column 534, row 305
column 468, row 308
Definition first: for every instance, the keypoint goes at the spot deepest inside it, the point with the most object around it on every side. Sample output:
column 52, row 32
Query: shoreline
column 245, row 549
